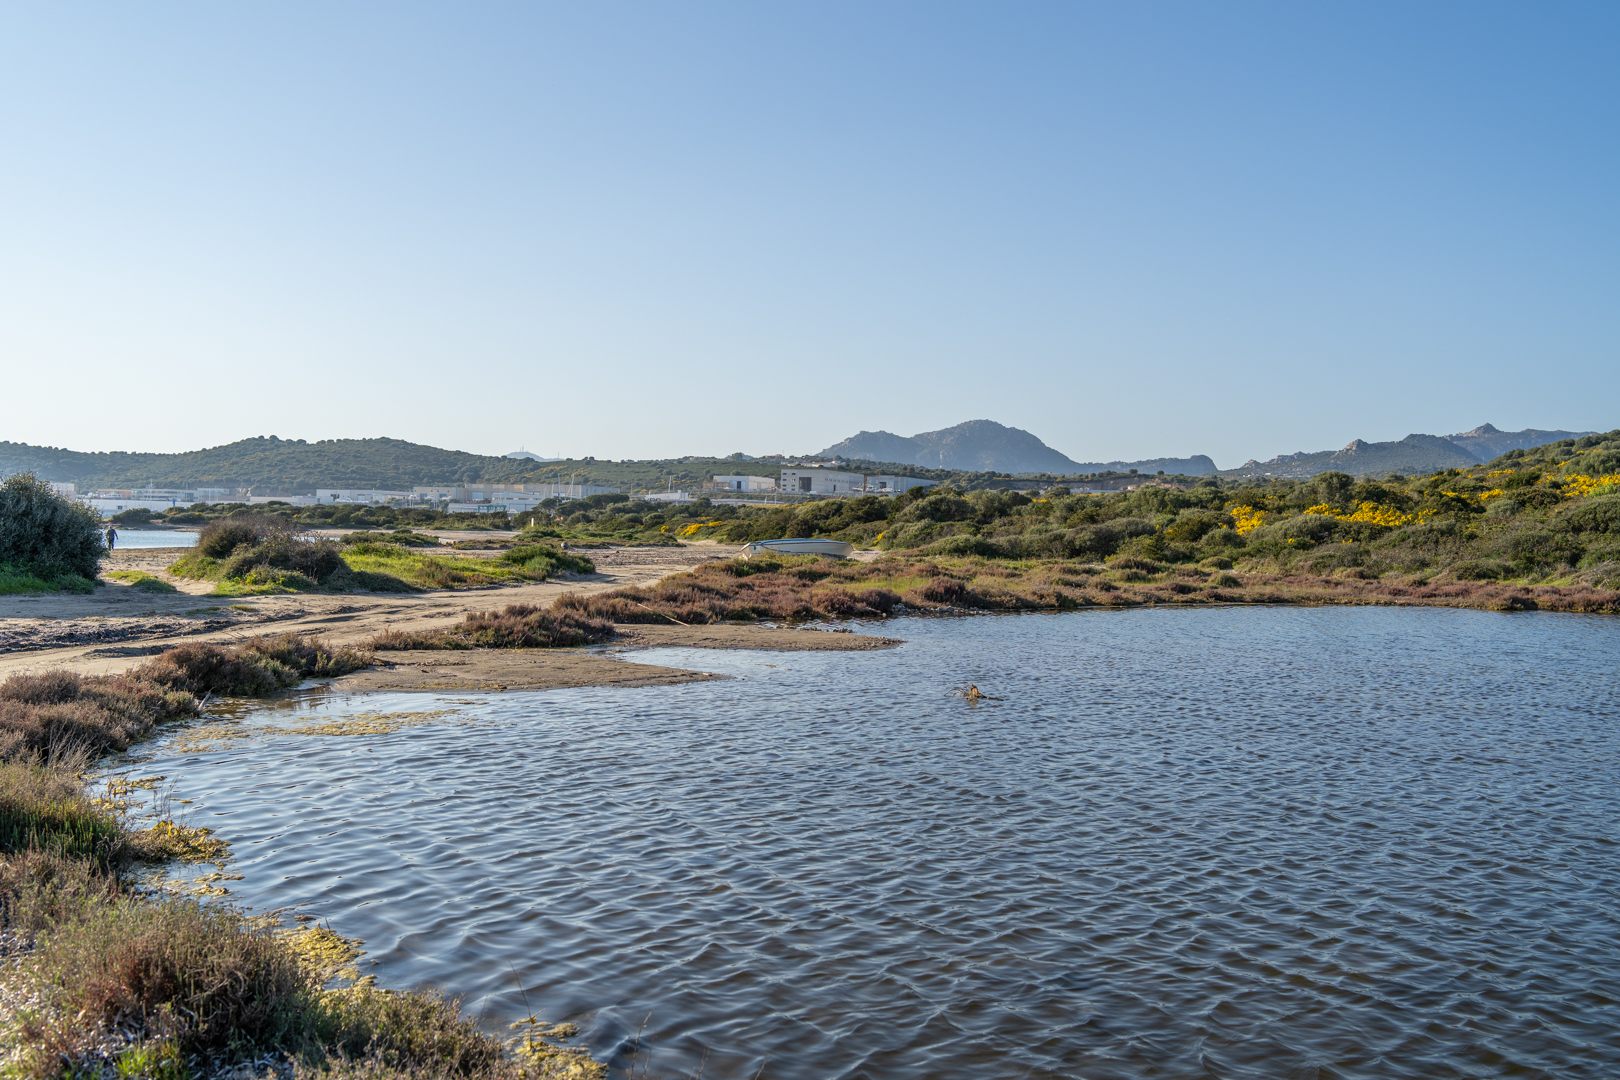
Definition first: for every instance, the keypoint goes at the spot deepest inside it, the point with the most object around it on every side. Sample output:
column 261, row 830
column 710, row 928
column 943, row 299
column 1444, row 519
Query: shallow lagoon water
column 1239, row 842
column 155, row 538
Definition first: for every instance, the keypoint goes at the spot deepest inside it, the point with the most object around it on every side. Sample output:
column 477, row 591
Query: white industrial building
column 290, row 500
column 107, row 503
column 745, row 483
column 527, row 494
column 363, row 496
column 813, row 481
column 108, row 507
column 172, row 496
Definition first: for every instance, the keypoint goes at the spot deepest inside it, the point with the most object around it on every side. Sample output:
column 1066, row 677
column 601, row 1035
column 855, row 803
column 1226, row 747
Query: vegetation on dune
column 1541, row 519
column 410, row 565
column 47, row 542
column 260, row 553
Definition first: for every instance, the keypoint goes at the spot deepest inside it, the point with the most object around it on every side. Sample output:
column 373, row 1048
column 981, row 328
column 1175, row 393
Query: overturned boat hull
column 835, row 549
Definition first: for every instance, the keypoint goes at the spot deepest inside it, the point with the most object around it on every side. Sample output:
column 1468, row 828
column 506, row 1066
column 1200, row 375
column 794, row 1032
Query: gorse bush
column 45, row 534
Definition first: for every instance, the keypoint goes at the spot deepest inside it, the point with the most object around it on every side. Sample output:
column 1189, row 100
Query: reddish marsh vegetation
column 812, row 589
column 518, row 626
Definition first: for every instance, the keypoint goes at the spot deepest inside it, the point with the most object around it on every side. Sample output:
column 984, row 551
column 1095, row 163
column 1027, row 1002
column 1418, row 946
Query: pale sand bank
column 118, row 627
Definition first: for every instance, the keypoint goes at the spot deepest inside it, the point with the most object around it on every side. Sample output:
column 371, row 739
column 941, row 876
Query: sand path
column 118, row 626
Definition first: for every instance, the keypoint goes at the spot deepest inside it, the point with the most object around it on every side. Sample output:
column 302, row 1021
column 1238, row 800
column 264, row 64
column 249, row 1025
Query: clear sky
column 639, row 230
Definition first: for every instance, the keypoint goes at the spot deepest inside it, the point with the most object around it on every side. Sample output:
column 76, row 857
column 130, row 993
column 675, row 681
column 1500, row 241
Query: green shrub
column 1532, row 548
column 542, row 559
column 219, row 539
column 1599, row 514
column 315, row 560
column 970, row 545
column 1192, row 526
column 1307, row 528
column 1220, row 542
column 46, row 535
column 943, row 506
column 143, row 581
column 1595, row 463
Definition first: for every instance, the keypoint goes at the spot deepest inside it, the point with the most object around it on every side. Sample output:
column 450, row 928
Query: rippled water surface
column 1240, row 842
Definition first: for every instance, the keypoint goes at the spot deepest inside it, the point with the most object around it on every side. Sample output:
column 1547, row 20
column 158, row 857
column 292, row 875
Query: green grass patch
column 139, row 579
column 45, row 809
column 196, row 566
column 533, row 562
column 900, row 585
column 384, row 566
column 20, row 581
column 403, row 537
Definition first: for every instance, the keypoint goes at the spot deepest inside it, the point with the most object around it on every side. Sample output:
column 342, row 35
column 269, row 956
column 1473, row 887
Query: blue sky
column 645, row 230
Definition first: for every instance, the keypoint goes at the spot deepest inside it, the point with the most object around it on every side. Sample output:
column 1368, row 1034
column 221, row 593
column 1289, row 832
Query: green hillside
column 289, row 466
column 293, row 465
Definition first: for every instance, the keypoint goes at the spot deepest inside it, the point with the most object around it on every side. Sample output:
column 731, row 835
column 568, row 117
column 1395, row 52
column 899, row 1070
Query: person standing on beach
column 112, row 537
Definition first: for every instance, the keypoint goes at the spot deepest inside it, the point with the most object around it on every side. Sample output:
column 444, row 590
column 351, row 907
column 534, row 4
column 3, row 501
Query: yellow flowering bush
column 1374, row 514
column 1582, row 486
column 1246, row 518
column 693, row 528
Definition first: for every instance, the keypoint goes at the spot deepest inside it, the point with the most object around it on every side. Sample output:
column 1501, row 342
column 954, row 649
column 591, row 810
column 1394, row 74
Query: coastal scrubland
column 1536, row 527
column 102, row 975
column 1533, row 529
column 256, row 553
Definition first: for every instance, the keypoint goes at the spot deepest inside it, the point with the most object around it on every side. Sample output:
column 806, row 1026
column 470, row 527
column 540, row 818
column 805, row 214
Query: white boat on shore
column 835, row 549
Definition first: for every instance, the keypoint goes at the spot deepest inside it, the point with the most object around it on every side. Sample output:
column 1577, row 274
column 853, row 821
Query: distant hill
column 986, row 446
column 1486, row 442
column 281, row 464
column 1197, row 465
column 1413, row 455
